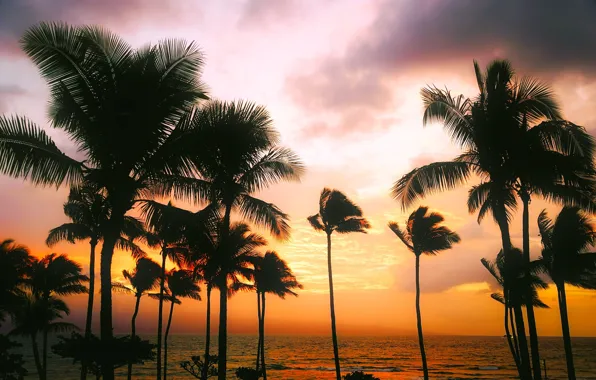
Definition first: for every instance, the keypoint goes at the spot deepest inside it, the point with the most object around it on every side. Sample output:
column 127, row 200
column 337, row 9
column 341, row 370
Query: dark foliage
column 196, row 364
column 245, row 373
column 11, row 365
column 119, row 351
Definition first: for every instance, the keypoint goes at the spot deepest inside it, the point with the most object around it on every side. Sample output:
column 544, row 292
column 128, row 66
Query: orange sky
column 341, row 80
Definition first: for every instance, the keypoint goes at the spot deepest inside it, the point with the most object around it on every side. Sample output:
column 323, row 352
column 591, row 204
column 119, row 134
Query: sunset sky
column 341, row 79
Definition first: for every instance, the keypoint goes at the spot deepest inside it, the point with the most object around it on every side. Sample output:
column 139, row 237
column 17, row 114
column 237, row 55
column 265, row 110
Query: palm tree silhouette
column 88, row 211
column 105, row 94
column 337, row 213
column 35, row 316
column 181, row 284
column 271, row 275
column 240, row 156
column 142, row 279
column 492, row 130
column 424, row 234
column 512, row 273
column 565, row 260
column 14, row 262
column 51, row 276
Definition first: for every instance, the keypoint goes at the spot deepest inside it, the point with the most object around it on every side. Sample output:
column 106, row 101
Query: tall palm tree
column 513, row 274
column 142, row 279
column 337, row 213
column 424, row 234
column 566, row 260
column 181, row 284
column 88, row 211
column 271, row 275
column 35, row 315
column 14, row 262
column 239, row 155
column 492, row 130
column 123, row 109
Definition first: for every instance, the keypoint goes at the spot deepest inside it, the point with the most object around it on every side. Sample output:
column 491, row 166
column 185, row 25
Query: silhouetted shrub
column 11, row 365
column 245, row 373
column 196, row 364
column 119, row 351
column 359, row 375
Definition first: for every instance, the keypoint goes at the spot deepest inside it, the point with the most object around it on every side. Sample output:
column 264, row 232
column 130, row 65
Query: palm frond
column 70, row 232
column 26, row 151
column 266, row 215
column 440, row 106
column 402, row 235
column 316, row 222
column 429, row 179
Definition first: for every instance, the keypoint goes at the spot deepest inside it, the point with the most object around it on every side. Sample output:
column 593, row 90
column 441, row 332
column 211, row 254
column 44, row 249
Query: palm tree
column 238, row 156
column 492, row 130
column 513, row 274
column 124, row 110
column 337, row 213
column 35, row 315
column 14, row 262
column 88, row 211
column 424, row 234
column 565, row 260
column 271, row 275
column 181, row 284
column 54, row 275
column 140, row 280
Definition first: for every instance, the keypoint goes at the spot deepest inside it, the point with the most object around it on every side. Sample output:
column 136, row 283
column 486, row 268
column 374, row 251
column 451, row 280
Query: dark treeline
column 149, row 136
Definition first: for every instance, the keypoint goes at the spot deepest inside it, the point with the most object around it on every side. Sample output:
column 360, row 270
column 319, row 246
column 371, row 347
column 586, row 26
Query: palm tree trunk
column 160, row 311
column 523, row 343
column 514, row 333
column 524, row 356
column 332, row 308
column 105, row 315
column 223, row 330
column 419, row 320
column 509, row 341
column 89, row 319
column 262, row 333
column 165, row 343
column 223, row 303
column 566, row 333
column 529, row 306
column 259, row 328
column 45, row 353
column 133, row 324
column 204, row 370
column 38, row 366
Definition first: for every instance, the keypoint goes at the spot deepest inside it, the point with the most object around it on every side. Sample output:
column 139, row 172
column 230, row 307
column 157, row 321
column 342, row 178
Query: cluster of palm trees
column 32, row 290
column 145, row 130
column 516, row 143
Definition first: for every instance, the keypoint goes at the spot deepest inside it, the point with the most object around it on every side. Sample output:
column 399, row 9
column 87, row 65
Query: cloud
column 17, row 15
column 264, row 12
column 539, row 37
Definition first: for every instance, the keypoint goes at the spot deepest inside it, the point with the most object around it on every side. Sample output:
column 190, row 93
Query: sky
column 341, row 79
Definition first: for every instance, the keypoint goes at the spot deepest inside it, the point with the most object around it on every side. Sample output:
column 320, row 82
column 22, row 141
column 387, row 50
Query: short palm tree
column 14, row 262
column 566, row 260
column 89, row 212
column 337, row 213
column 35, row 316
column 181, row 284
column 424, row 234
column 512, row 273
column 49, row 277
column 122, row 108
column 239, row 156
column 142, row 279
column 271, row 275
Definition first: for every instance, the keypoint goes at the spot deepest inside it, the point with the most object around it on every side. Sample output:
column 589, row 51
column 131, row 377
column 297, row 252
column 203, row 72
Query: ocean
column 311, row 357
